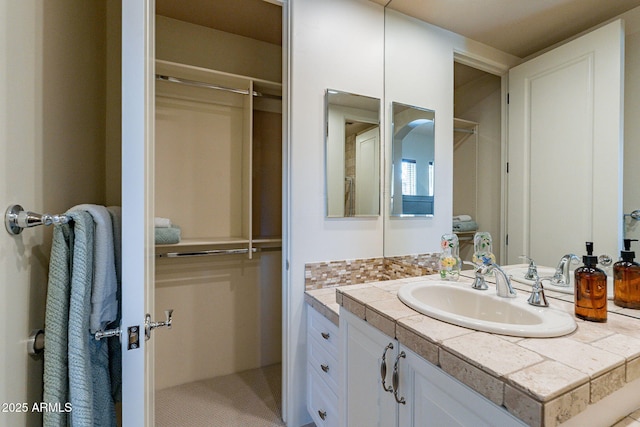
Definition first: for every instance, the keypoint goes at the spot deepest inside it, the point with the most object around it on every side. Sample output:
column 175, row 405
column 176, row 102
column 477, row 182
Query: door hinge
column 506, row 240
column 507, row 167
column 507, row 98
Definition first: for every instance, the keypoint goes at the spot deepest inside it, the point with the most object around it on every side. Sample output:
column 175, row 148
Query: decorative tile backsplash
column 400, row 267
column 338, row 273
column 351, row 272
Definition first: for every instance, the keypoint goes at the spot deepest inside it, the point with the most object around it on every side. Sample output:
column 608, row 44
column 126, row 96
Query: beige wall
column 631, row 200
column 52, row 142
column 186, row 43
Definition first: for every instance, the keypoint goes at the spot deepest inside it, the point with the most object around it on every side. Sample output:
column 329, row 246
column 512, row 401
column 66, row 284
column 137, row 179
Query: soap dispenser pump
column 591, row 289
column 626, row 278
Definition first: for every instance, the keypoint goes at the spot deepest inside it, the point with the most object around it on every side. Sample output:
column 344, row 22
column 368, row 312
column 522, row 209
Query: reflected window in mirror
column 352, row 149
column 412, row 164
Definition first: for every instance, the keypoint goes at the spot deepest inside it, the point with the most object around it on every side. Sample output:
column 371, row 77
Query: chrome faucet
column 562, row 276
column 503, row 283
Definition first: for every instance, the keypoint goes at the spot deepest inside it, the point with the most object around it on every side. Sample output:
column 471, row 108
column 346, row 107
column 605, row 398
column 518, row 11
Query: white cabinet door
column 430, row 396
column 365, row 403
column 434, row 398
column 565, row 149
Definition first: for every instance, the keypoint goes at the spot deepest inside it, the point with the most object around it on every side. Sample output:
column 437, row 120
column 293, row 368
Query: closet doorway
column 218, row 208
column 477, row 156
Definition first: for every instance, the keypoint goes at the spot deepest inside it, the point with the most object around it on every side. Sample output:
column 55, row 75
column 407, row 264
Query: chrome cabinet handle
column 322, row 414
column 325, row 335
column 396, row 378
column 324, row 368
column 383, row 368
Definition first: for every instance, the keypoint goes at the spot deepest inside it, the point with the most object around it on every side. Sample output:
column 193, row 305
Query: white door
column 368, row 172
column 137, row 208
column 565, row 149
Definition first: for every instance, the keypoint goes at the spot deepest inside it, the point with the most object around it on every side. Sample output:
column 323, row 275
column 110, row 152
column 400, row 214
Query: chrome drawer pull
column 323, row 414
column 325, row 335
column 396, row 378
column 324, row 368
column 383, row 368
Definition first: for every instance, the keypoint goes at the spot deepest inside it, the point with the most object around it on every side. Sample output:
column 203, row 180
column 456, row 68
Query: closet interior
column 465, row 179
column 477, row 154
column 218, row 173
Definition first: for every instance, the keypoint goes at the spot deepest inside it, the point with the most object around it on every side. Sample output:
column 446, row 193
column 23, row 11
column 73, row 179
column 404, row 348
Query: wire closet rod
column 213, row 252
column 16, row 219
column 472, row 131
column 213, row 86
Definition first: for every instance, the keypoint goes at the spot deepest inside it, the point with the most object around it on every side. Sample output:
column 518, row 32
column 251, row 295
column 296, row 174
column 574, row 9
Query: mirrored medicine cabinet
column 352, row 150
column 412, row 162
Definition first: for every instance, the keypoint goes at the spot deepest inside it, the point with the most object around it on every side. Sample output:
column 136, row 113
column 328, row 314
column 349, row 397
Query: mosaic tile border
column 330, row 274
column 339, row 273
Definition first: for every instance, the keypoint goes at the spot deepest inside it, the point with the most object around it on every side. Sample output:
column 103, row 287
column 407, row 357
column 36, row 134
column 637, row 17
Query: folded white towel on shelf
column 462, row 218
column 162, row 222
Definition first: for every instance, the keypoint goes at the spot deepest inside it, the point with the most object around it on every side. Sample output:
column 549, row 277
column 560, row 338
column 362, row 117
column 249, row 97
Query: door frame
column 501, row 70
column 138, row 87
column 288, row 398
column 138, row 112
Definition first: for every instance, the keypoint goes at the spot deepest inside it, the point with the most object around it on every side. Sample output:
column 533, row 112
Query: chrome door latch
column 149, row 325
column 133, row 333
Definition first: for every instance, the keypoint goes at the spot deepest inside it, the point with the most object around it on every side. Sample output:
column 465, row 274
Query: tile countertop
column 543, row 381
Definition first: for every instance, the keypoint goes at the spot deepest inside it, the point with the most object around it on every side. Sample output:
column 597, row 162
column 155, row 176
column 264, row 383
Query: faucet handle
column 480, row 270
column 473, row 264
column 531, row 262
column 605, row 260
column 532, row 272
column 537, row 297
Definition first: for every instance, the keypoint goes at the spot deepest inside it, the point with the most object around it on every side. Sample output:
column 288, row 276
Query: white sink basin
column 460, row 305
column 517, row 273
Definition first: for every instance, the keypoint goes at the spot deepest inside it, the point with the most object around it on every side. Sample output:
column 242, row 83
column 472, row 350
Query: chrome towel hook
column 16, row 219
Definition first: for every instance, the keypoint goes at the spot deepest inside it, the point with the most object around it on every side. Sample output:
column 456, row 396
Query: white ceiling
column 518, row 27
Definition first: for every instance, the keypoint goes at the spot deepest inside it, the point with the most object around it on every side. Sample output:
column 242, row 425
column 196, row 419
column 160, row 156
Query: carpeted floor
column 246, row 399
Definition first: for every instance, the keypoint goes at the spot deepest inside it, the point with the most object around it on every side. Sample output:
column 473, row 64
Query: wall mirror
column 352, row 154
column 412, row 165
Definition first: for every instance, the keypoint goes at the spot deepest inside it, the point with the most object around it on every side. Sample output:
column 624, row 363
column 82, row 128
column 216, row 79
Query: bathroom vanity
column 438, row 371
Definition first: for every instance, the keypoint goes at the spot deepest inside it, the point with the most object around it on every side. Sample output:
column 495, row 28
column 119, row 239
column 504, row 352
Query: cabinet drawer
column 325, row 363
column 323, row 329
column 322, row 402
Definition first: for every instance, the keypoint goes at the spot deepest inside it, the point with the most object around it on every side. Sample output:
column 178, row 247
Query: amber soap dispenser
column 591, row 289
column 626, row 278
